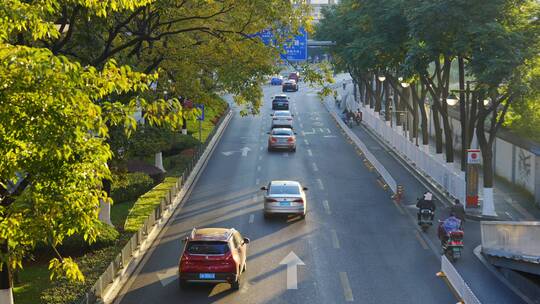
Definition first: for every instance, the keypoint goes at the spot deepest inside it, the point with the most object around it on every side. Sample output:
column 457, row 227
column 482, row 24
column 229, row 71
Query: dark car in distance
column 280, row 102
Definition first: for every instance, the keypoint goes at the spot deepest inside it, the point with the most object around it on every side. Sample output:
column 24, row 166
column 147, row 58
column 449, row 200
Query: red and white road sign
column 473, row 156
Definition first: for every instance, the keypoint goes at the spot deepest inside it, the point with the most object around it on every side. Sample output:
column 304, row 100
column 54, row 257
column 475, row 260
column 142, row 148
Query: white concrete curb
column 138, row 256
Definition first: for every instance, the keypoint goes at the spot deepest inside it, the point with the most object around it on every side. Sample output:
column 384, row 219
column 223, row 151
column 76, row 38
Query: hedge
column 107, row 235
column 129, row 186
column 147, row 203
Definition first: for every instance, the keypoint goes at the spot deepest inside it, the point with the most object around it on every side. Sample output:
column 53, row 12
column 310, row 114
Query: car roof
column 211, row 234
column 284, row 183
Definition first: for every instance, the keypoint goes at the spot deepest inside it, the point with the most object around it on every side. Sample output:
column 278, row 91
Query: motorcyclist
column 459, row 210
column 358, row 116
column 452, row 223
column 426, row 202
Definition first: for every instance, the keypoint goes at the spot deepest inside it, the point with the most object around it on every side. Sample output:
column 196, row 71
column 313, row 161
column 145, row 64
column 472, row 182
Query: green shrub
column 129, row 186
column 147, row 203
column 74, row 244
column 180, row 142
column 92, row 265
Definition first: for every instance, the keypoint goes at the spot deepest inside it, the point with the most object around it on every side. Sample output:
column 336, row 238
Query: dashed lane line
column 306, row 141
column 309, row 152
column 321, row 186
column 335, row 240
column 347, row 291
column 251, row 218
column 421, row 240
column 326, row 206
column 315, row 168
column 257, row 181
column 258, row 168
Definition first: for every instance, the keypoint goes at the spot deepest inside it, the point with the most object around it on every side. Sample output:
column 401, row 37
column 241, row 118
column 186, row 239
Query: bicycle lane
column 486, row 286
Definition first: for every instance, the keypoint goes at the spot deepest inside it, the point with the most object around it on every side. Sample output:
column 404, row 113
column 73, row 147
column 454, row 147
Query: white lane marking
column 254, row 198
column 257, row 181
column 258, row 168
column 421, row 240
column 321, row 129
column 347, row 291
column 285, row 154
column 315, row 168
column 260, row 157
column 321, row 186
column 522, row 211
column 309, row 152
column 301, row 125
column 261, row 148
column 326, row 207
column 335, row 240
column 299, row 118
column 329, row 136
column 328, row 130
column 306, row 141
column 251, row 218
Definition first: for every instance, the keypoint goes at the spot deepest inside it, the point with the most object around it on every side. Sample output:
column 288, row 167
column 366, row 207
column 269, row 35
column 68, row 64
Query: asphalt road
column 356, row 244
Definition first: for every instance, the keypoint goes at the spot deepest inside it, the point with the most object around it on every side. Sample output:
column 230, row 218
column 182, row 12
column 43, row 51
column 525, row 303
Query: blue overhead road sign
column 294, row 49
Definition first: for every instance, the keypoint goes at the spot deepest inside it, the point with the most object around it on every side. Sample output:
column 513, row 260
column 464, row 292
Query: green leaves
column 65, row 268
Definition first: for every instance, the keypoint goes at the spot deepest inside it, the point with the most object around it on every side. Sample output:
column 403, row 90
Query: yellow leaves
column 65, row 268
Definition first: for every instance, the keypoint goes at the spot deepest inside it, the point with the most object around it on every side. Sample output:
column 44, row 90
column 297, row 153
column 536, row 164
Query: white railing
column 446, row 177
column 456, row 281
column 513, row 239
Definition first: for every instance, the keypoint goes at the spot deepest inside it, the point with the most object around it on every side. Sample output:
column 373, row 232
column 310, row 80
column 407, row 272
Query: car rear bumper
column 282, row 146
column 284, row 210
column 220, row 277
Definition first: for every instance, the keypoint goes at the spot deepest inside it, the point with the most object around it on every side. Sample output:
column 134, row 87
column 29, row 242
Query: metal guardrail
column 514, row 240
column 125, row 255
column 449, row 272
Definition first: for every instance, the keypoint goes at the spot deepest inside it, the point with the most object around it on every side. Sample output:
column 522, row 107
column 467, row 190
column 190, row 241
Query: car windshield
column 207, row 247
column 282, row 132
column 284, row 189
column 283, row 114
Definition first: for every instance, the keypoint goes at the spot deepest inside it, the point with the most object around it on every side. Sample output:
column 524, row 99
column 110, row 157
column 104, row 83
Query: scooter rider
column 458, row 210
column 426, row 202
column 452, row 223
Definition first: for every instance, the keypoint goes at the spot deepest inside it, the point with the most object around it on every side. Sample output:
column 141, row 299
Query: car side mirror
column 292, row 115
column 271, row 114
column 246, row 241
column 305, row 188
column 295, row 133
column 185, row 239
column 267, row 132
column 264, row 188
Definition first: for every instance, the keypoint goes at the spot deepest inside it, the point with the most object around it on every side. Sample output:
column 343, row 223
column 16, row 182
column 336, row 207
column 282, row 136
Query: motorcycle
column 358, row 118
column 425, row 221
column 454, row 245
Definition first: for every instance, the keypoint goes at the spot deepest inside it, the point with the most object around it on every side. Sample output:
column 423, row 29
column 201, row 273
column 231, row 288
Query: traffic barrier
column 125, row 256
column 400, row 193
column 515, row 240
column 456, row 282
column 446, row 177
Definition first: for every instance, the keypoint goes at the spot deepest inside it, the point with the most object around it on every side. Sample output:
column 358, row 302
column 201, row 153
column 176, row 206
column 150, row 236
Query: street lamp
column 405, row 84
column 382, row 78
column 452, row 99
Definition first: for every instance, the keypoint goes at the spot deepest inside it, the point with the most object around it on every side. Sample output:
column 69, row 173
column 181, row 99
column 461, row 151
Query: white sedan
column 282, row 119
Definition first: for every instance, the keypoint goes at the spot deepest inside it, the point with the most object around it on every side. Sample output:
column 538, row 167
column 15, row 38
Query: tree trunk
column 488, row 206
column 6, row 290
column 378, row 99
column 104, row 214
column 438, row 130
column 159, row 161
column 387, row 113
column 463, row 118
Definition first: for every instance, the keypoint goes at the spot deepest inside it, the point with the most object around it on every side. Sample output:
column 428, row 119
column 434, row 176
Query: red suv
column 214, row 255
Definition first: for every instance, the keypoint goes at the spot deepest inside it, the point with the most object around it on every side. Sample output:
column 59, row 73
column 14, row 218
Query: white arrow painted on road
column 245, row 151
column 292, row 261
column 167, row 276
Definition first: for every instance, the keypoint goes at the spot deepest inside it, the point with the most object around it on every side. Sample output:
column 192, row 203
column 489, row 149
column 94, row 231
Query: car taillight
column 289, row 119
column 275, row 118
column 299, row 200
column 273, row 139
column 290, row 139
column 271, row 200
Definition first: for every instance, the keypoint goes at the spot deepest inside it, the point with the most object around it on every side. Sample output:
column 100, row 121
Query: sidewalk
column 511, row 203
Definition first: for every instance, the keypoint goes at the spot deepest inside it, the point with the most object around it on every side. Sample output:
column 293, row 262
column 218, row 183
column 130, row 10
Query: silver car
column 285, row 197
column 282, row 138
column 282, row 119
